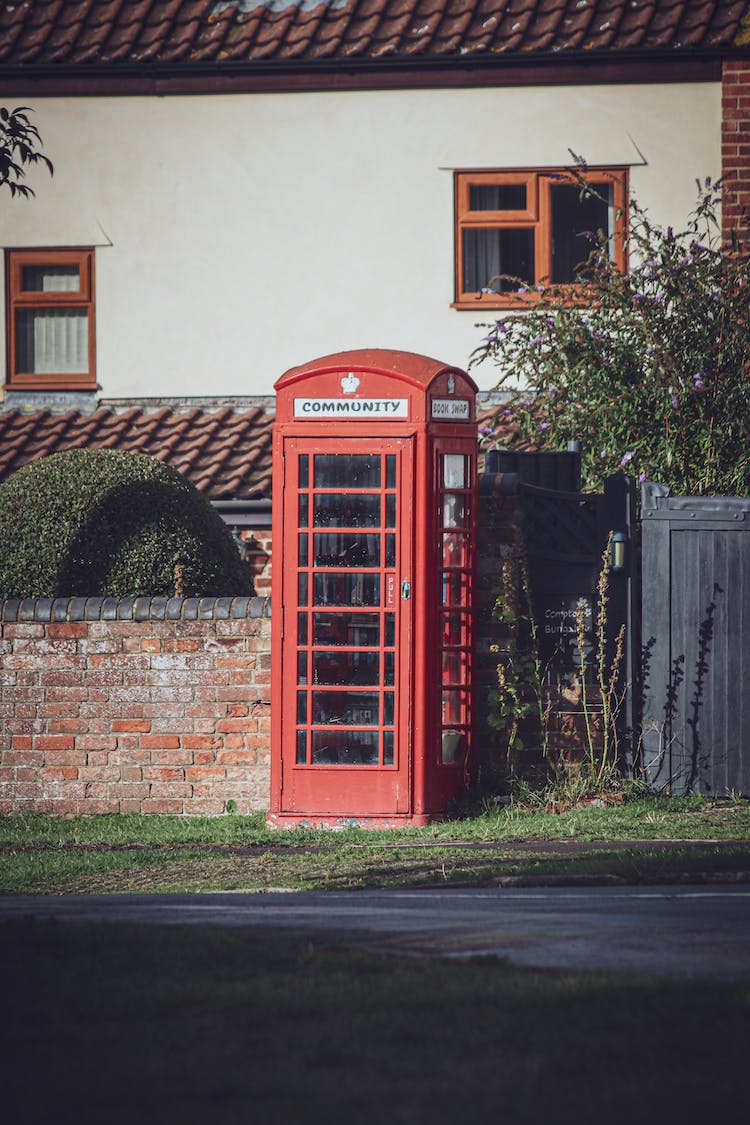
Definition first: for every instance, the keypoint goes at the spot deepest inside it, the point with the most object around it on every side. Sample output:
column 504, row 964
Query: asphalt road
column 703, row 931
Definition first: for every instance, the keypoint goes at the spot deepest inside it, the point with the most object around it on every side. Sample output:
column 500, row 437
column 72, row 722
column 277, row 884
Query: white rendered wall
column 240, row 235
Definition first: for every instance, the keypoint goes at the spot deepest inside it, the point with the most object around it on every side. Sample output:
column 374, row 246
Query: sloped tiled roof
column 160, row 33
column 225, row 453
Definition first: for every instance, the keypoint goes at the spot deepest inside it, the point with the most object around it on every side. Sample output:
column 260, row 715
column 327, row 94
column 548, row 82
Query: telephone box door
column 347, row 628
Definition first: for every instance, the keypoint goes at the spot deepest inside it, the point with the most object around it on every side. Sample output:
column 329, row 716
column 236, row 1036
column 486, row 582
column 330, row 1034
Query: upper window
column 50, row 319
column 524, row 229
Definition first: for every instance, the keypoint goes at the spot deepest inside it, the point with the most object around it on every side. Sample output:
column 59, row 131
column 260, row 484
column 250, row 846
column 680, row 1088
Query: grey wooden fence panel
column 696, row 630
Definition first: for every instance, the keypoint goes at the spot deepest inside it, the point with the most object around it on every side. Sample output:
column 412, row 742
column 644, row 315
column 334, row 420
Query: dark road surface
column 685, row 930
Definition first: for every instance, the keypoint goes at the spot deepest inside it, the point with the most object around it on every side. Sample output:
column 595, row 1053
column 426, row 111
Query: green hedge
column 95, row 522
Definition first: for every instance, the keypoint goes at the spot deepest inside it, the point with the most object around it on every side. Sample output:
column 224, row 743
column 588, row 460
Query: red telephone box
column 374, row 486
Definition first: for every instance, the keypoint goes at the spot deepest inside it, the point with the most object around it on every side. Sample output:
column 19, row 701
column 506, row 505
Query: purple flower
column 698, row 380
column 544, row 425
column 639, row 297
column 486, row 431
column 552, row 391
column 522, row 289
column 641, row 478
column 534, row 341
column 627, row 458
column 675, row 401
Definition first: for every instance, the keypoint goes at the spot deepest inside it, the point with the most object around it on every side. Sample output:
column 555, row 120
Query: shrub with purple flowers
column 649, row 369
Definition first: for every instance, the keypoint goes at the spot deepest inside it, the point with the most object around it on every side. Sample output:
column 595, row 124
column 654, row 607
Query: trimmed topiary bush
column 94, row 522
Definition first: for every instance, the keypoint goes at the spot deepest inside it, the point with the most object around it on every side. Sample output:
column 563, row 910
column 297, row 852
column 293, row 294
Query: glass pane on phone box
column 349, row 708
column 454, row 629
column 302, row 589
column 345, row 748
column 390, row 665
column 357, row 629
column 453, row 710
column 302, row 552
column 454, row 667
column 390, row 510
column 301, row 706
column 454, row 546
column 390, row 630
column 301, row 667
column 453, row 510
column 341, row 549
column 388, row 748
column 346, row 470
column 347, row 588
column 304, row 470
column 390, row 470
column 454, row 587
column 304, row 508
column 336, row 509
column 454, row 470
column 453, row 745
column 301, row 747
column 346, row 668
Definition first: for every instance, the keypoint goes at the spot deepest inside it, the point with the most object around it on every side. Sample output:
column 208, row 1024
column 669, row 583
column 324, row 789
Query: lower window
column 50, row 319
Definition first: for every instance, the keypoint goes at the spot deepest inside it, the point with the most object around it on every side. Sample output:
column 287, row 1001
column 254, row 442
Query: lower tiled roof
column 225, row 453
column 184, row 32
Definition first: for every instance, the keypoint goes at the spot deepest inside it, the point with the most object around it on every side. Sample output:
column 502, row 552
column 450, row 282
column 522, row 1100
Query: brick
column 160, row 742
column 237, row 757
column 21, row 741
column 230, row 726
column 150, row 644
column 22, row 757
column 67, row 629
column 67, row 726
column 205, row 773
column 138, row 726
column 130, row 804
column 93, row 742
column 60, row 773
column 161, row 773
column 206, row 757
column 171, row 789
column 53, row 742
column 201, row 742
column 205, row 806
column 65, row 758
column 162, row 805
column 22, row 629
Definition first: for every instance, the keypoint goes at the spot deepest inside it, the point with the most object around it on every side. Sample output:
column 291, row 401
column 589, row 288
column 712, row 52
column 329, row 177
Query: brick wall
column 134, row 705
column 735, row 148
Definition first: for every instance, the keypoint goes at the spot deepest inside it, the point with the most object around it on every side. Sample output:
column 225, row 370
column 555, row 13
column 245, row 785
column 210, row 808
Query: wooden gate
column 696, row 621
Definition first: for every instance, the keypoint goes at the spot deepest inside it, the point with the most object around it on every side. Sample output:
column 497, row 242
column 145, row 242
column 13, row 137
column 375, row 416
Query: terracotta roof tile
column 164, row 32
column 226, row 453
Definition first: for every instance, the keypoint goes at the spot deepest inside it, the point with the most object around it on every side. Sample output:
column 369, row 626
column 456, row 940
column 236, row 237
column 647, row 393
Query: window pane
column 347, row 470
column 359, row 629
column 302, row 552
column 347, row 708
column 497, row 197
column 335, row 509
column 454, row 470
column 347, row 588
column 388, row 748
column 574, row 220
column 304, row 471
column 453, row 510
column 52, row 341
column 346, row 668
column 345, row 748
column 301, row 747
column 489, row 253
column 347, row 550
column 51, row 279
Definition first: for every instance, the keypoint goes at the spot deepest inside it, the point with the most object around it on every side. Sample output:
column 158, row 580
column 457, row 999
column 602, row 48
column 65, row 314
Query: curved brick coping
column 133, row 609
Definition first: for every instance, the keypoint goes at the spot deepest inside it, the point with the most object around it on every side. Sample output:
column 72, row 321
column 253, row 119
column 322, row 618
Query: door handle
column 405, row 590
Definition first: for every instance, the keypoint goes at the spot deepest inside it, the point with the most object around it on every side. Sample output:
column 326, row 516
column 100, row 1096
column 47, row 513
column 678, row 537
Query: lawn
column 643, row 839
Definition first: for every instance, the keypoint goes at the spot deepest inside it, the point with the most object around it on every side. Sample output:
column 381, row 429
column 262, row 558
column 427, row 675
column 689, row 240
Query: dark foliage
column 99, row 522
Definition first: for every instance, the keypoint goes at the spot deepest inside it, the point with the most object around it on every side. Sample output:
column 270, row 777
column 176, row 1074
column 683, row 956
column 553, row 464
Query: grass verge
column 641, row 840
column 191, row 1025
